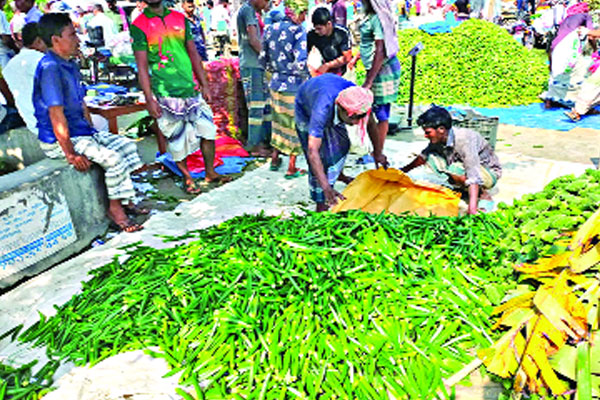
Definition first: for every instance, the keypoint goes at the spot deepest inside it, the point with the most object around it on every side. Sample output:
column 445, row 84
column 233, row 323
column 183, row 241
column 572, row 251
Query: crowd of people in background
column 296, row 61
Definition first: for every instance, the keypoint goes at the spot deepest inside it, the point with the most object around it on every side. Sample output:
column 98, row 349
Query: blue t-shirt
column 315, row 116
column 57, row 82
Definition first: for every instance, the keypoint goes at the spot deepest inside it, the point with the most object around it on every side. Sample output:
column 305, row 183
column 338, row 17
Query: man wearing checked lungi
column 64, row 124
column 324, row 105
column 170, row 71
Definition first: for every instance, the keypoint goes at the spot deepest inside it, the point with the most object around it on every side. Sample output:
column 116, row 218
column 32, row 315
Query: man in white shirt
column 109, row 29
column 19, row 74
column 20, row 70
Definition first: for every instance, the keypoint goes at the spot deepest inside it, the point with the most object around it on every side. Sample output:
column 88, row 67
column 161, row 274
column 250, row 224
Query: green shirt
column 164, row 38
column 370, row 31
column 246, row 17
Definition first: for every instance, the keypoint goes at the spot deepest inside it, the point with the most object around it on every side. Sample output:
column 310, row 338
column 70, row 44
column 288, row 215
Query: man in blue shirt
column 63, row 120
column 324, row 105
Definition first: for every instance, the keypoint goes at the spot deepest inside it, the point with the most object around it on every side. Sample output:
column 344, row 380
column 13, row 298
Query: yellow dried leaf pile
column 556, row 317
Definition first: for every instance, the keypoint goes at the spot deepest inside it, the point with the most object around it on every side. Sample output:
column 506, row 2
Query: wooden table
column 112, row 112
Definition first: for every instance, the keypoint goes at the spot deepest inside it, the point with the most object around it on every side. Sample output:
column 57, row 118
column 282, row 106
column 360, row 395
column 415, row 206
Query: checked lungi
column 184, row 122
column 257, row 98
column 117, row 156
column 386, row 83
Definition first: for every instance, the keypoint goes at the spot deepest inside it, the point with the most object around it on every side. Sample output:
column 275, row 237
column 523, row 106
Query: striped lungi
column 283, row 136
column 386, row 83
column 439, row 165
column 117, row 156
column 184, row 122
column 257, row 99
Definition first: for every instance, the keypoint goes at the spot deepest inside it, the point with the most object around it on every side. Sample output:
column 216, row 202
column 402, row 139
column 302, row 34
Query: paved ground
column 528, row 168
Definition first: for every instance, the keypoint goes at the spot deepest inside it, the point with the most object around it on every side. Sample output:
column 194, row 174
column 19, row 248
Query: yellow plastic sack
column 394, row 192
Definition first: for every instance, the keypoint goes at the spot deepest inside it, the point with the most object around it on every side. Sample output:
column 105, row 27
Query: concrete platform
column 48, row 212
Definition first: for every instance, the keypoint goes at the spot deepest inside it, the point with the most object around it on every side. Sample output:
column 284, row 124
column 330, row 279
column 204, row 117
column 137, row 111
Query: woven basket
column 486, row 126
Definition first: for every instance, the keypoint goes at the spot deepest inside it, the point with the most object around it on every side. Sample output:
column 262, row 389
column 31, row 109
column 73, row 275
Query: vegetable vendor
column 324, row 105
column 462, row 155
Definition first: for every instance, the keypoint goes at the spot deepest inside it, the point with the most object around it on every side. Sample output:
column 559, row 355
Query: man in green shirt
column 253, row 77
column 171, row 74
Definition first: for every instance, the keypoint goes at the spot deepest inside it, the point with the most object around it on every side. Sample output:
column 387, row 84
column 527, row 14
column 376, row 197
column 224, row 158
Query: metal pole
column 412, row 89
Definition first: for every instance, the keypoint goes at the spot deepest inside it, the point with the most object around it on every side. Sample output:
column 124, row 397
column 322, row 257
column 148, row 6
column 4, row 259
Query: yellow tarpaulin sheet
column 394, row 192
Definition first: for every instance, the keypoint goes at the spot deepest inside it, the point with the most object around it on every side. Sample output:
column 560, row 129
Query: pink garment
column 595, row 62
column 357, row 100
column 579, row 8
column 387, row 17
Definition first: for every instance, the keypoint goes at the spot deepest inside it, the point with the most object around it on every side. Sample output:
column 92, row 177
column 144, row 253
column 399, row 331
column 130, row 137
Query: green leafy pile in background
column 478, row 64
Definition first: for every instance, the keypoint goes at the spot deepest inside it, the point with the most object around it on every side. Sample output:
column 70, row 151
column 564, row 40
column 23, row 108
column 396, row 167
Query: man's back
column 19, row 74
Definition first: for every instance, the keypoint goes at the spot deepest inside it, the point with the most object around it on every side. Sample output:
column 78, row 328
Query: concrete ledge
column 48, row 212
column 20, row 148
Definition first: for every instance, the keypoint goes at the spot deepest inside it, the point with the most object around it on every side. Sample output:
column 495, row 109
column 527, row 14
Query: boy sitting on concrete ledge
column 64, row 124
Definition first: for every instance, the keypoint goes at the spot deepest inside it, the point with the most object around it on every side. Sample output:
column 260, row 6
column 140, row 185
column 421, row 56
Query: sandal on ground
column 136, row 209
column 126, row 226
column 573, row 115
column 191, row 188
column 296, row 174
column 219, row 179
column 276, row 166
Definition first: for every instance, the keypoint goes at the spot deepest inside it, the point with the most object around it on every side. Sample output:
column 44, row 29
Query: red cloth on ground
column 225, row 146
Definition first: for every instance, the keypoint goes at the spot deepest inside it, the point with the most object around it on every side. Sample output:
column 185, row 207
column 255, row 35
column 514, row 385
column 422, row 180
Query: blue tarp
column 232, row 165
column 445, row 26
column 536, row 116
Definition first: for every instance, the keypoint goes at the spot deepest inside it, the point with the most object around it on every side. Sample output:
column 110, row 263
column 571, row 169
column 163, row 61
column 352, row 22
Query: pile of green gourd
column 347, row 305
column 478, row 64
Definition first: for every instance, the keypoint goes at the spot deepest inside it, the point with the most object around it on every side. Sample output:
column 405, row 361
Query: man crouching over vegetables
column 461, row 154
column 323, row 106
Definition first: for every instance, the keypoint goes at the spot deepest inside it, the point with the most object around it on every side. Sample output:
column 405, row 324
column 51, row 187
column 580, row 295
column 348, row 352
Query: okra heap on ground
column 324, row 305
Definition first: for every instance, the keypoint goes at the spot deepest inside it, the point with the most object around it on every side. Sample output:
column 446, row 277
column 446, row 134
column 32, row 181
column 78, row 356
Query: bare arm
column 10, row 100
column 417, row 162
column 198, row 68
column 61, row 131
column 473, row 198
column 344, row 59
column 253, row 38
column 141, row 58
column 378, row 60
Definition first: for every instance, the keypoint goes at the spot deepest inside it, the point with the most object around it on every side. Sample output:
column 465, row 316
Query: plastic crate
column 486, row 126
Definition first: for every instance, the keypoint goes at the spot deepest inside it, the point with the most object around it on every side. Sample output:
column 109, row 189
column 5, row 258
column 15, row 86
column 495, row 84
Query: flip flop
column 219, row 179
column 191, row 189
column 296, row 174
column 137, row 210
column 275, row 167
column 573, row 116
column 126, row 226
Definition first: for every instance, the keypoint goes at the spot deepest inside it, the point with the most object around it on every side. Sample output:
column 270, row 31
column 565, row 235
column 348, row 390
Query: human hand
column 153, row 108
column 332, row 196
column 206, row 94
column 79, row 161
column 381, row 159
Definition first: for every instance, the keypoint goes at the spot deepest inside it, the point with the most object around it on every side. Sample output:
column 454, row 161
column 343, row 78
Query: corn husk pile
column 552, row 338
